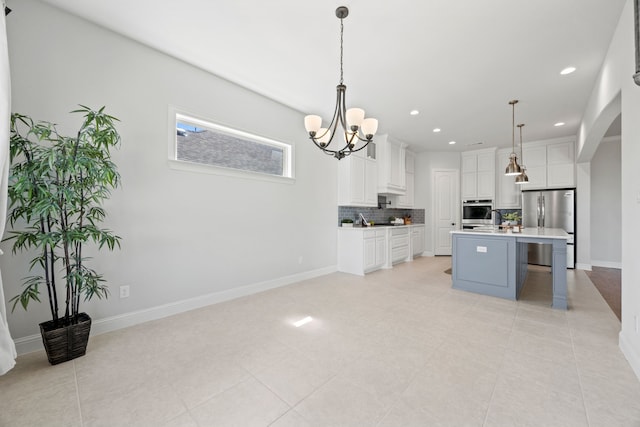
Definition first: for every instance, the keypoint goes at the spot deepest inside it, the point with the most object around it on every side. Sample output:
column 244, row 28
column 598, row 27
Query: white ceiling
column 458, row 62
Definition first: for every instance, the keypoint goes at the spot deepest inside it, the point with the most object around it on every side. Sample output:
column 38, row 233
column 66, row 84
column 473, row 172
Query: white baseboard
column 33, row 343
column 581, row 266
column 428, row 253
column 632, row 357
column 606, row 264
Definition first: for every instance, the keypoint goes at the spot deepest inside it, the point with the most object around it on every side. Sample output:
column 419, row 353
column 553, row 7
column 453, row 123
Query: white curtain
column 7, row 347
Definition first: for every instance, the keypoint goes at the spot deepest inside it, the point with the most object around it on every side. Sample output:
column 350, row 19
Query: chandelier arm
column 331, row 129
column 342, row 106
column 358, row 149
column 324, row 149
column 316, row 143
column 341, row 114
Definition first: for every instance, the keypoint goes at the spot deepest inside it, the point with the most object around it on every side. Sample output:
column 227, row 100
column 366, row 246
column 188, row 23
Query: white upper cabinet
column 478, row 174
column 391, row 165
column 406, row 200
column 535, row 160
column 549, row 165
column 561, row 165
column 357, row 180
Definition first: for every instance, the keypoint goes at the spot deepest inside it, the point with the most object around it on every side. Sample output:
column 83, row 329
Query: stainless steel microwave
column 477, row 212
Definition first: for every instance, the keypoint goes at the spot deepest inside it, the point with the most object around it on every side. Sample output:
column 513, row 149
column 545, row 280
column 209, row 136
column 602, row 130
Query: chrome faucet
column 499, row 215
column 364, row 220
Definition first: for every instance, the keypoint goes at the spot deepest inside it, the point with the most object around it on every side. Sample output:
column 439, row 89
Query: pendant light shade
column 522, row 178
column 513, row 168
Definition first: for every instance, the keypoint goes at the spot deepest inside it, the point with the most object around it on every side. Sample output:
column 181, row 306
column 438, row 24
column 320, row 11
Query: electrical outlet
column 637, row 325
column 300, row 259
column 124, row 291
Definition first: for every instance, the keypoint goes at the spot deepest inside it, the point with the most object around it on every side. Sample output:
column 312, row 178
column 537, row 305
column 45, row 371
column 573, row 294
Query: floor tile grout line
column 578, row 371
column 75, row 379
column 413, row 378
column 213, row 396
column 500, row 367
column 292, row 407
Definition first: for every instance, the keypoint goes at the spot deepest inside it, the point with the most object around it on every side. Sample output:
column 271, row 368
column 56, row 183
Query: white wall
column 185, row 235
column 426, row 162
column 583, row 216
column 615, row 83
column 606, row 203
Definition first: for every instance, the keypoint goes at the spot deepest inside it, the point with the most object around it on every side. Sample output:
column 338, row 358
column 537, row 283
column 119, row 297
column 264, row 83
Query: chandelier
column 352, row 121
column 513, row 168
column 522, row 178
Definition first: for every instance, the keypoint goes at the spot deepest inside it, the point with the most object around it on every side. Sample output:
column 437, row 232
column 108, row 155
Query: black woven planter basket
column 68, row 342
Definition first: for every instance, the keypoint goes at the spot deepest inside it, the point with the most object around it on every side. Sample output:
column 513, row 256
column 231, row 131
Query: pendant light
column 352, row 120
column 522, row 178
column 513, row 168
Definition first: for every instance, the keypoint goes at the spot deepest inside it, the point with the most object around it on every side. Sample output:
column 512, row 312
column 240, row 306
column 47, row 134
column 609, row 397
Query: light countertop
column 550, row 233
column 380, row 227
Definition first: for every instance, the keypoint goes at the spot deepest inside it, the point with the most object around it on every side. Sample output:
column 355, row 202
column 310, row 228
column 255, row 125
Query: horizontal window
column 206, row 143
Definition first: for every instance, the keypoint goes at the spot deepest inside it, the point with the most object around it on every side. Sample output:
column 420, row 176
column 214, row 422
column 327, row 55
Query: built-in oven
column 477, row 213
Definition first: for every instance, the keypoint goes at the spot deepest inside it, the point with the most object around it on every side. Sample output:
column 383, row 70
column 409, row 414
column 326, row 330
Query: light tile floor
column 395, row 348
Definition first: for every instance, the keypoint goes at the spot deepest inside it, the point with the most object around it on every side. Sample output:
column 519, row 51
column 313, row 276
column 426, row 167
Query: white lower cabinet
column 417, row 240
column 399, row 243
column 381, row 251
column 374, row 250
column 363, row 250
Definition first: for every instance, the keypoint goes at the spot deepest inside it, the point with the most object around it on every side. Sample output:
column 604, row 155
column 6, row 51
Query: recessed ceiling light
column 559, row 124
column 436, row 130
column 414, row 112
column 451, row 142
column 568, row 70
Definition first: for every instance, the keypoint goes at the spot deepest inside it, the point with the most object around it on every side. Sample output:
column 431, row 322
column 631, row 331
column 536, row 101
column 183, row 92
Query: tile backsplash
column 379, row 215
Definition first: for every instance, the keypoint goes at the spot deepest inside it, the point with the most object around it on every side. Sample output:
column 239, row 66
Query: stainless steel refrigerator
column 550, row 209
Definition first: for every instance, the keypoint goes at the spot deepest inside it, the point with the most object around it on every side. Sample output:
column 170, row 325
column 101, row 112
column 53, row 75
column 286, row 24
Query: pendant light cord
column 513, row 128
column 341, row 50
column 521, row 156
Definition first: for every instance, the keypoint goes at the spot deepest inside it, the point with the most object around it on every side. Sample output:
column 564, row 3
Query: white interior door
column 446, row 208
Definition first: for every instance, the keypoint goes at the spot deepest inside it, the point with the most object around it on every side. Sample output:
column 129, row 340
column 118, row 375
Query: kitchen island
column 493, row 262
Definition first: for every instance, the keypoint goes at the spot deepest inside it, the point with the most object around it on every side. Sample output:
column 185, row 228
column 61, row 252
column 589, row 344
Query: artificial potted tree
column 57, row 185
